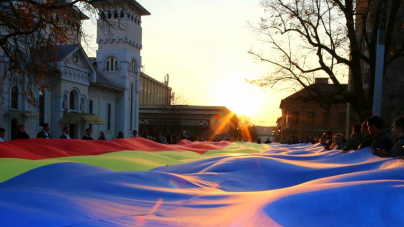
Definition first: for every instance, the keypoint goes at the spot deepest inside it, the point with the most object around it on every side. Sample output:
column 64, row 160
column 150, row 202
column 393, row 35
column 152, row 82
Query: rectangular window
column 131, row 106
column 295, row 117
column 41, row 107
column 109, row 117
column 107, row 65
column 310, row 118
column 342, row 119
column 326, row 119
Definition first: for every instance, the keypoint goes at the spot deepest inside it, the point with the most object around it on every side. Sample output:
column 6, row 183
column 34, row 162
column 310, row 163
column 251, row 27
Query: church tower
column 119, row 38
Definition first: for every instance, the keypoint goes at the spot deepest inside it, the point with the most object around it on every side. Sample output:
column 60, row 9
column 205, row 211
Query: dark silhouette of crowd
column 370, row 133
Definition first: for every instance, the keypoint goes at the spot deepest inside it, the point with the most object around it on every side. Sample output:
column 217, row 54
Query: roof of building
column 187, row 108
column 313, row 91
column 102, row 80
column 58, row 52
column 154, row 80
column 140, row 8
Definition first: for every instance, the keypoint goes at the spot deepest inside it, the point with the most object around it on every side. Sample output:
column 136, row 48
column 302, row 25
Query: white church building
column 100, row 93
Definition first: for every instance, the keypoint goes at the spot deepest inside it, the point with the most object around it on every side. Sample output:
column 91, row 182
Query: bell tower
column 119, row 38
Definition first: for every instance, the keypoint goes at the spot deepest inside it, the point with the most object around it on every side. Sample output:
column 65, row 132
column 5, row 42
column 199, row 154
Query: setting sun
column 239, row 96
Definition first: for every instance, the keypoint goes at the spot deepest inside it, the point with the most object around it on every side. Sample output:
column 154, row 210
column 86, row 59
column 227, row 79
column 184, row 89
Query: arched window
column 134, row 67
column 41, row 107
column 109, row 117
column 14, row 97
column 112, row 64
column 131, row 106
column 82, row 105
column 65, row 103
column 122, row 14
column 72, row 100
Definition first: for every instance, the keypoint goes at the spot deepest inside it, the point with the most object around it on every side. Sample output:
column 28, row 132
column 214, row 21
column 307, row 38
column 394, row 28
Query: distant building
column 154, row 92
column 200, row 122
column 265, row 132
column 303, row 117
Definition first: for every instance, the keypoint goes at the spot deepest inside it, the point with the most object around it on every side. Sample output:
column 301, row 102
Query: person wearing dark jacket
column 21, row 134
column 268, row 141
column 120, row 135
column 87, row 136
column 355, row 138
column 102, row 136
column 2, row 134
column 383, row 142
column 311, row 140
column 367, row 138
column 329, row 141
column 398, row 133
column 44, row 134
column 66, row 132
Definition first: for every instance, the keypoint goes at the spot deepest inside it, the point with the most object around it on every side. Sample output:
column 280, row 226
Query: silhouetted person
column 383, row 142
column 2, row 134
column 323, row 139
column 398, row 133
column 168, row 139
column 145, row 135
column 367, row 138
column 292, row 139
column 259, row 140
column 120, row 135
column 66, row 133
column 102, row 136
column 44, row 134
column 268, row 141
column 135, row 133
column 21, row 134
column 311, row 140
column 329, row 140
column 355, row 139
column 299, row 140
column 87, row 136
column 338, row 142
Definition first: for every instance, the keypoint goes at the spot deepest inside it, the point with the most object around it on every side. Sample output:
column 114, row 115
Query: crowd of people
column 45, row 134
column 370, row 133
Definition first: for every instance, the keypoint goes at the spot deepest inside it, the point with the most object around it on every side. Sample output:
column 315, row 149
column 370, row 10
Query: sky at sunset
column 203, row 45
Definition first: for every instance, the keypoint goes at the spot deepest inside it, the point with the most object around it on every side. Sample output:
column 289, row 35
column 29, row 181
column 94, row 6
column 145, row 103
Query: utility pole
column 380, row 50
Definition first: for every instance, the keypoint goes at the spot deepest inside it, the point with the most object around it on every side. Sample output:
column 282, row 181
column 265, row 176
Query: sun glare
column 240, row 97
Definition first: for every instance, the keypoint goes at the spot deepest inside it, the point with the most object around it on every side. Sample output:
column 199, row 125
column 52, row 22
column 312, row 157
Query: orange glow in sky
column 203, row 46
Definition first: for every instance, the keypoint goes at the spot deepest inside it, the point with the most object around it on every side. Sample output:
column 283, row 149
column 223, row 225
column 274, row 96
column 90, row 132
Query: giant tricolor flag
column 136, row 182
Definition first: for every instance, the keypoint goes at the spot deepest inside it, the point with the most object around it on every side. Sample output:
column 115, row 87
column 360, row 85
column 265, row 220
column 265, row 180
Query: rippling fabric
column 135, row 182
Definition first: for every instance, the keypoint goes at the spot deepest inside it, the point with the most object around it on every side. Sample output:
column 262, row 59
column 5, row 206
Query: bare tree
column 327, row 38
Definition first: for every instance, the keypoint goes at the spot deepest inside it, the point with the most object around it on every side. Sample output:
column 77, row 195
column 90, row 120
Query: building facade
column 199, row 122
column 101, row 93
column 153, row 92
column 304, row 117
